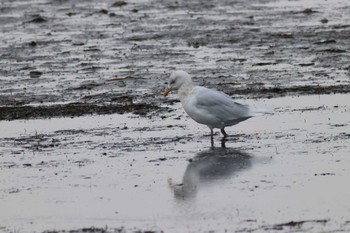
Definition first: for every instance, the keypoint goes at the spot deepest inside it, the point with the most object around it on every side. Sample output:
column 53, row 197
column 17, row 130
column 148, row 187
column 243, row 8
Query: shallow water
column 162, row 174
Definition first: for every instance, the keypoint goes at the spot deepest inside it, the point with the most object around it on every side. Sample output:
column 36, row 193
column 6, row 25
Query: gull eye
column 172, row 81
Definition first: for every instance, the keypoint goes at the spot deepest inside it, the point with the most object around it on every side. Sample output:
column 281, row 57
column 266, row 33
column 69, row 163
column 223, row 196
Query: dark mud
column 64, row 51
column 73, row 110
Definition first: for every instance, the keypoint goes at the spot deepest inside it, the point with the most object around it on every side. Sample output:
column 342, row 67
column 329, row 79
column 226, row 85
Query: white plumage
column 209, row 107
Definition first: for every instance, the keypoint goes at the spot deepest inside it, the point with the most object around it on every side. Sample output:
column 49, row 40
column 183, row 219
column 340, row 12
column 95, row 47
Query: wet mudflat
column 284, row 172
column 80, row 153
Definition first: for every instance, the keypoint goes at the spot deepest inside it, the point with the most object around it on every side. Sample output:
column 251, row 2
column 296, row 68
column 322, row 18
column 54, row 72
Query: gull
column 209, row 107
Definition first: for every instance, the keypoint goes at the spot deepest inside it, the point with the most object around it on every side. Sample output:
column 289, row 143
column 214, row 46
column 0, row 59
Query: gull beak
column 166, row 91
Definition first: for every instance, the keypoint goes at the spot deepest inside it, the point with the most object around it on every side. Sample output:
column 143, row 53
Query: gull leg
column 223, row 142
column 224, row 133
column 212, row 137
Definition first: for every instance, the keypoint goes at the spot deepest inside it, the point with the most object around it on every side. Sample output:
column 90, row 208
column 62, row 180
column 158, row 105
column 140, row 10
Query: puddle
column 283, row 171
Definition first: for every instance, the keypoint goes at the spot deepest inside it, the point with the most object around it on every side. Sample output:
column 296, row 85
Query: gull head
column 176, row 80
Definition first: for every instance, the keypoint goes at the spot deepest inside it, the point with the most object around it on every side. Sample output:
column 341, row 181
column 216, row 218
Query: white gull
column 209, row 107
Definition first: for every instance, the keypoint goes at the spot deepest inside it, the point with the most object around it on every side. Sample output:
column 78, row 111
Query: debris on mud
column 294, row 224
column 88, row 230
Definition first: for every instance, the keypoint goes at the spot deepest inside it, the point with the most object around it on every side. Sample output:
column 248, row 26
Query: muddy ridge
column 72, row 110
column 149, row 105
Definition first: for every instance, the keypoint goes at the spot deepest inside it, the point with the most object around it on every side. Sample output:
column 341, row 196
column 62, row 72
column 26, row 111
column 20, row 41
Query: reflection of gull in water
column 209, row 166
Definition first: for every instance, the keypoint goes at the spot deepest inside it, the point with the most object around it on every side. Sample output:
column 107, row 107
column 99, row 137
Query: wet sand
column 82, row 154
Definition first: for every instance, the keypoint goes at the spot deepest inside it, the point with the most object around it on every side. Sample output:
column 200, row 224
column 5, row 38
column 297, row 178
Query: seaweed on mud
column 100, row 230
column 72, row 110
column 294, row 224
column 87, row 230
column 270, row 92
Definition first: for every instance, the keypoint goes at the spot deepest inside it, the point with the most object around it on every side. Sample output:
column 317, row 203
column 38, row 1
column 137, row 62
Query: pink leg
column 224, row 133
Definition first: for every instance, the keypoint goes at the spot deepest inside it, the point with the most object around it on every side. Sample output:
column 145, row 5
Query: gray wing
column 220, row 104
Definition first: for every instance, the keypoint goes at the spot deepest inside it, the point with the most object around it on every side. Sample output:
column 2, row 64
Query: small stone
column 37, row 19
column 324, row 20
column 35, row 74
column 308, row 11
column 103, row 11
column 33, row 43
column 119, row 3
